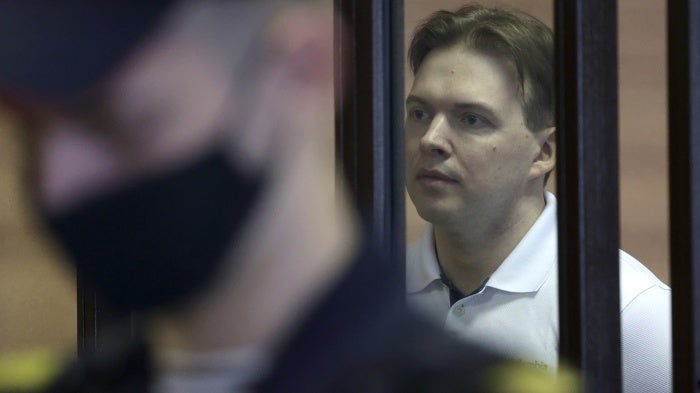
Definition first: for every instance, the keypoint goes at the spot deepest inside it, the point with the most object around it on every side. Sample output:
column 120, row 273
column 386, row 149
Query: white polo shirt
column 516, row 311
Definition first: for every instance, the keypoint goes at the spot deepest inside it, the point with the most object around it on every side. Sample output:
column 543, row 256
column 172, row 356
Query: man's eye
column 472, row 120
column 419, row 114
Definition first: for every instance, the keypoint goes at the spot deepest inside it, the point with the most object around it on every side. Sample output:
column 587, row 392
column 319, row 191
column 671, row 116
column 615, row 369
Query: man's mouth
column 432, row 176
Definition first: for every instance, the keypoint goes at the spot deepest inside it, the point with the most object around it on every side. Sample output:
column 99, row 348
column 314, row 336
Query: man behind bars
column 480, row 144
column 183, row 163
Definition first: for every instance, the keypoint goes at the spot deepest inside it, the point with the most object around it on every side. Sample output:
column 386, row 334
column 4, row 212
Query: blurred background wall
column 37, row 294
column 642, row 116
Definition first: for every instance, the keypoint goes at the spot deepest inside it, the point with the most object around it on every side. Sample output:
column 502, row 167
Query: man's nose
column 435, row 140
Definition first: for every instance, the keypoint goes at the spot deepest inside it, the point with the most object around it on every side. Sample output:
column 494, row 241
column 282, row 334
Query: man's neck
column 468, row 257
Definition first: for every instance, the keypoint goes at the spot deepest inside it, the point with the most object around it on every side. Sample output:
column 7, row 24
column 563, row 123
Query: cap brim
column 56, row 48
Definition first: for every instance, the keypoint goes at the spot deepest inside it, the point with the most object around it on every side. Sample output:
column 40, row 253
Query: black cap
column 53, row 48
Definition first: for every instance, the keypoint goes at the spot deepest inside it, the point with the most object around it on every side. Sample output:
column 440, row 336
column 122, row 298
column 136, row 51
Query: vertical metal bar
column 97, row 323
column 684, row 180
column 588, row 189
column 86, row 318
column 395, row 128
column 369, row 113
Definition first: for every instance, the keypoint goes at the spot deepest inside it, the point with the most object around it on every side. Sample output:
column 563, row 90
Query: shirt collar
column 527, row 267
column 422, row 267
column 524, row 270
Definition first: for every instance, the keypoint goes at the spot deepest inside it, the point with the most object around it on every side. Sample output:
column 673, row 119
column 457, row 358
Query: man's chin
column 436, row 214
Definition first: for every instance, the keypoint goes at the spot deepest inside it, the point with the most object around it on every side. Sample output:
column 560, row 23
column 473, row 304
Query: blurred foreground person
column 184, row 164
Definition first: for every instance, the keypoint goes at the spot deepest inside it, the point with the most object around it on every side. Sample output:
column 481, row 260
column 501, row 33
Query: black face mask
column 161, row 240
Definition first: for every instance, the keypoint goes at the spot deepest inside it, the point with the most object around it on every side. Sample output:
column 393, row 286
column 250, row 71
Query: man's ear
column 545, row 160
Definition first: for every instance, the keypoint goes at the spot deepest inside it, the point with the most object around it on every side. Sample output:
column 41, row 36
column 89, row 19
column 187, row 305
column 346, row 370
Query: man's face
column 182, row 141
column 155, row 112
column 468, row 152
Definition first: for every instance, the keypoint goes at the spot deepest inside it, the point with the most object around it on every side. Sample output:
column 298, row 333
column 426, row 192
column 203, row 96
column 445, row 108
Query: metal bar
column 684, row 180
column 588, row 189
column 97, row 323
column 369, row 114
column 395, row 129
column 85, row 318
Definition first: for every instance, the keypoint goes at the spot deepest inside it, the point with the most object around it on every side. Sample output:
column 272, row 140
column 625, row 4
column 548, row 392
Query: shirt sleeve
column 646, row 342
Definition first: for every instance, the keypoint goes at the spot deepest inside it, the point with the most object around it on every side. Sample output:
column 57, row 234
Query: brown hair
column 511, row 35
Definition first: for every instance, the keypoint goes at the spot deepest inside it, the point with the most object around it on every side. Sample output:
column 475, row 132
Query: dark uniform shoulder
column 30, row 370
column 123, row 365
column 120, row 366
column 424, row 359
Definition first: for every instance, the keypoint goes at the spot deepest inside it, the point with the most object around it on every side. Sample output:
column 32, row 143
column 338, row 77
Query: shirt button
column 459, row 311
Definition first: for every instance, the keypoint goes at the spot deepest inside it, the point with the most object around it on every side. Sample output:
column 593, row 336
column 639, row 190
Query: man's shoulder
column 635, row 279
